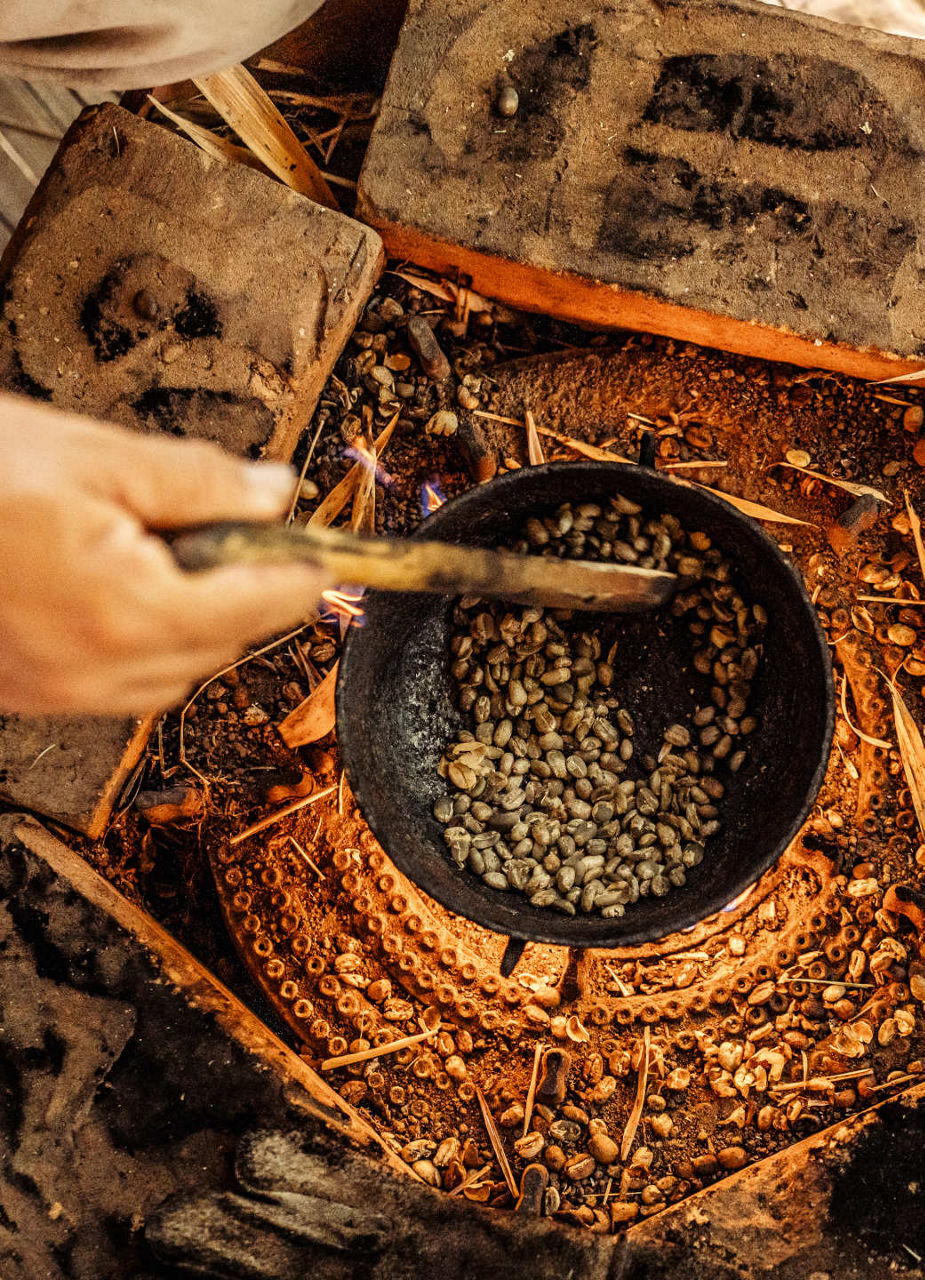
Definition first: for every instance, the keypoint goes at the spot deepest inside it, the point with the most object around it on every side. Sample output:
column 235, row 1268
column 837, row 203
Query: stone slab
column 736, row 175
column 140, row 1098
column 153, row 286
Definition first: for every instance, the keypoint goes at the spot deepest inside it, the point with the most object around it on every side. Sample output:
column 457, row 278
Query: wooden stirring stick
column 437, row 567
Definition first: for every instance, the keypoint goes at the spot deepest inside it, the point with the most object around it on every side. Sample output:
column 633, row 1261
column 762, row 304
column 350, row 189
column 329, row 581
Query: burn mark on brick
column 659, row 207
column 198, row 318
column 546, row 75
column 106, row 331
column 19, row 381
column 810, row 104
column 242, row 424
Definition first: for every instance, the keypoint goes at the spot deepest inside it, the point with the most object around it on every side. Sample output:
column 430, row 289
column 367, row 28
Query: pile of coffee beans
column 549, row 796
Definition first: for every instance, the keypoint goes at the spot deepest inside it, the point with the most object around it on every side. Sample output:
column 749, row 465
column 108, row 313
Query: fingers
column 240, row 604
column 170, row 483
column 163, row 482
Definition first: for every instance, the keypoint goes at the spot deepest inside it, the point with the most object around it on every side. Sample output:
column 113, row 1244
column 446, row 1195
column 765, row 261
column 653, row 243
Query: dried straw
column 859, row 490
column 494, row 1138
column 757, row 510
column 240, row 101
column 534, row 448
column 333, row 504
column 212, row 144
column 912, row 753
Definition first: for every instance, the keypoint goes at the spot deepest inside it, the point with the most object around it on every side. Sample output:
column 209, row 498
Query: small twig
column 891, row 600
column 888, row 1084
column 340, row 793
column 317, row 870
column 831, row 982
column 632, row 1124
column 303, row 472
column 496, row 417
column 364, row 1055
column 494, row 1138
column 280, row 814
column 531, row 1092
column 51, row 746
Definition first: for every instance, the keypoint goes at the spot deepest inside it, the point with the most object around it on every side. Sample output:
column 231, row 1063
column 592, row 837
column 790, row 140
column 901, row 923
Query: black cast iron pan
column 396, row 714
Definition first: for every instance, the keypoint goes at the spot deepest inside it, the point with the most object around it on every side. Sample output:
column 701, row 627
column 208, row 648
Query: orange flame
column 431, row 499
column 343, row 603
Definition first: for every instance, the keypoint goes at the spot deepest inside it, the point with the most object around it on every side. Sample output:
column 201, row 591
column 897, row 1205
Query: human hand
column 95, row 615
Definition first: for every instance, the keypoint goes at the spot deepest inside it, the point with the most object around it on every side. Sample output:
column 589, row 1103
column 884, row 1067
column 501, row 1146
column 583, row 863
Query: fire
column 432, row 497
column 343, row 604
column 361, row 451
column 736, row 902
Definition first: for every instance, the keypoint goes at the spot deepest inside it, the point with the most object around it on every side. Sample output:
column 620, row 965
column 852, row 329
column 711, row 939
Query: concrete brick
column 155, row 287
column 733, row 174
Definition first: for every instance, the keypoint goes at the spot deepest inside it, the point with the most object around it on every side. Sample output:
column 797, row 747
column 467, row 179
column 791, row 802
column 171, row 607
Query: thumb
column 169, row 483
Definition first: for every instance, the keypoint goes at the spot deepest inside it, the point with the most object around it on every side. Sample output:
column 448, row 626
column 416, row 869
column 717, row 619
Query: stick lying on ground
column 437, row 567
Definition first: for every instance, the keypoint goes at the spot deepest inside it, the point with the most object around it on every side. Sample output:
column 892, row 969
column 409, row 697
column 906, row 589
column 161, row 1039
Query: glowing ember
column 432, row 497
